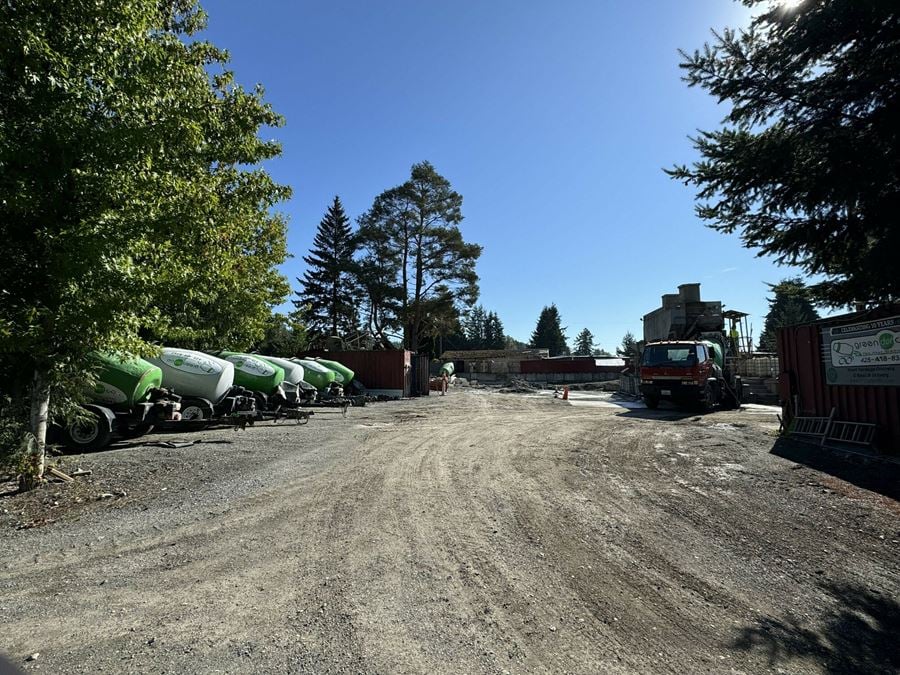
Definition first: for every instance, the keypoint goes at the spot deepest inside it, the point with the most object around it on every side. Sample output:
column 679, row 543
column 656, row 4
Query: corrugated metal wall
column 375, row 369
column 422, row 375
column 802, row 375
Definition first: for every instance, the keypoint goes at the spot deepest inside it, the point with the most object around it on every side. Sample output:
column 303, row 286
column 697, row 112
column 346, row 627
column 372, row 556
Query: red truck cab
column 681, row 371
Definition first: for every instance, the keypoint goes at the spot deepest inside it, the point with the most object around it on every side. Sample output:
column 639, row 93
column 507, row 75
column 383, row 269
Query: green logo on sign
column 832, row 374
column 179, row 362
column 886, row 340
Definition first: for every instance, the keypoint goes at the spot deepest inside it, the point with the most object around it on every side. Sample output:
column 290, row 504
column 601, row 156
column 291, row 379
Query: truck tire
column 651, row 402
column 731, row 397
column 196, row 409
column 92, row 433
column 707, row 399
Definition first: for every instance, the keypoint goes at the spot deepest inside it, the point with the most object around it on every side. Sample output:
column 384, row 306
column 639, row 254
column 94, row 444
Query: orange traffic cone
column 565, row 393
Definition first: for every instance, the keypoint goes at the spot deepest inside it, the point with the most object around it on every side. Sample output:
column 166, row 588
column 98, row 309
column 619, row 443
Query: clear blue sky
column 552, row 119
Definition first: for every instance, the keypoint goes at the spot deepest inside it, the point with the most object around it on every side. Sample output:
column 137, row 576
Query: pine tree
column 329, row 297
column 495, row 337
column 807, row 164
column 475, row 327
column 417, row 225
column 790, row 305
column 629, row 348
column 584, row 343
column 549, row 332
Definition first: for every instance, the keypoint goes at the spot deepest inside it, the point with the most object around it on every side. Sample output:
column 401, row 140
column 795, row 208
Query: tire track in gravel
column 477, row 533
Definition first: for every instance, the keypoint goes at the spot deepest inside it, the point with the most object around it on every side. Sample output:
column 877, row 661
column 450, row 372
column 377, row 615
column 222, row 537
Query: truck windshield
column 669, row 355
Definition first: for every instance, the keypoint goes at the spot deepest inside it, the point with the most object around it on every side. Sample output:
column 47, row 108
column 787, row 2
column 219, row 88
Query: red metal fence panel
column 804, row 390
column 377, row 370
column 423, row 377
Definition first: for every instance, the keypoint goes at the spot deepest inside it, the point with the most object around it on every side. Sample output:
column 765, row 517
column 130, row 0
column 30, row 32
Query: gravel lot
column 479, row 532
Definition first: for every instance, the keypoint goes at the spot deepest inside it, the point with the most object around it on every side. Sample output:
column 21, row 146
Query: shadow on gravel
column 859, row 637
column 865, row 473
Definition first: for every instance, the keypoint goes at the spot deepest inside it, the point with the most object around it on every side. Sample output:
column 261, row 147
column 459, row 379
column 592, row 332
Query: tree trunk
column 40, row 408
column 417, row 295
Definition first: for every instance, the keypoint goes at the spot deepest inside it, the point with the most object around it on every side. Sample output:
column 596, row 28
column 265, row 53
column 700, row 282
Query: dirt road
column 478, row 532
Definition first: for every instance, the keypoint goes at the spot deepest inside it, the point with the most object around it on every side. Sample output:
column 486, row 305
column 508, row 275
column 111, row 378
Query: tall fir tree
column 484, row 330
column 549, row 332
column 329, row 297
column 494, row 334
column 584, row 343
column 791, row 304
column 807, row 163
column 629, row 348
column 474, row 327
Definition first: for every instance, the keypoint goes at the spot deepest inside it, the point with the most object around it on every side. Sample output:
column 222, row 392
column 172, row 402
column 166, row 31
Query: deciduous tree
column 131, row 201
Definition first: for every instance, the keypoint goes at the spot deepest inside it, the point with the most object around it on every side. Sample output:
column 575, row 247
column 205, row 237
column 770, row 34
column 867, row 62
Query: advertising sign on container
column 863, row 353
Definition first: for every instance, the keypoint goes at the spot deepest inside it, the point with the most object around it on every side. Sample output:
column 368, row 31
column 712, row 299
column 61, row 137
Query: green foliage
column 807, row 164
column 584, row 343
column 329, row 296
column 790, row 305
column 629, row 347
column 483, row 330
column 13, row 434
column 285, row 336
column 415, row 260
column 376, row 276
column 512, row 344
column 131, row 207
column 549, row 332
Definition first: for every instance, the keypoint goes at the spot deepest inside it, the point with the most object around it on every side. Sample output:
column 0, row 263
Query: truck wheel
column 92, row 433
column 708, row 399
column 196, row 409
column 651, row 402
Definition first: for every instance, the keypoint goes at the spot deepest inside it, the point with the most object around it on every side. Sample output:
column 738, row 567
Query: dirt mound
column 518, row 386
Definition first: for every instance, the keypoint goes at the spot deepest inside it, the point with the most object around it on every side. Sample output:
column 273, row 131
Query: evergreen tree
column 549, row 332
column 328, row 299
column 376, row 276
column 493, row 332
column 475, row 327
column 790, row 305
column 417, row 226
column 629, row 347
column 584, row 343
column 807, row 166
column 484, row 330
